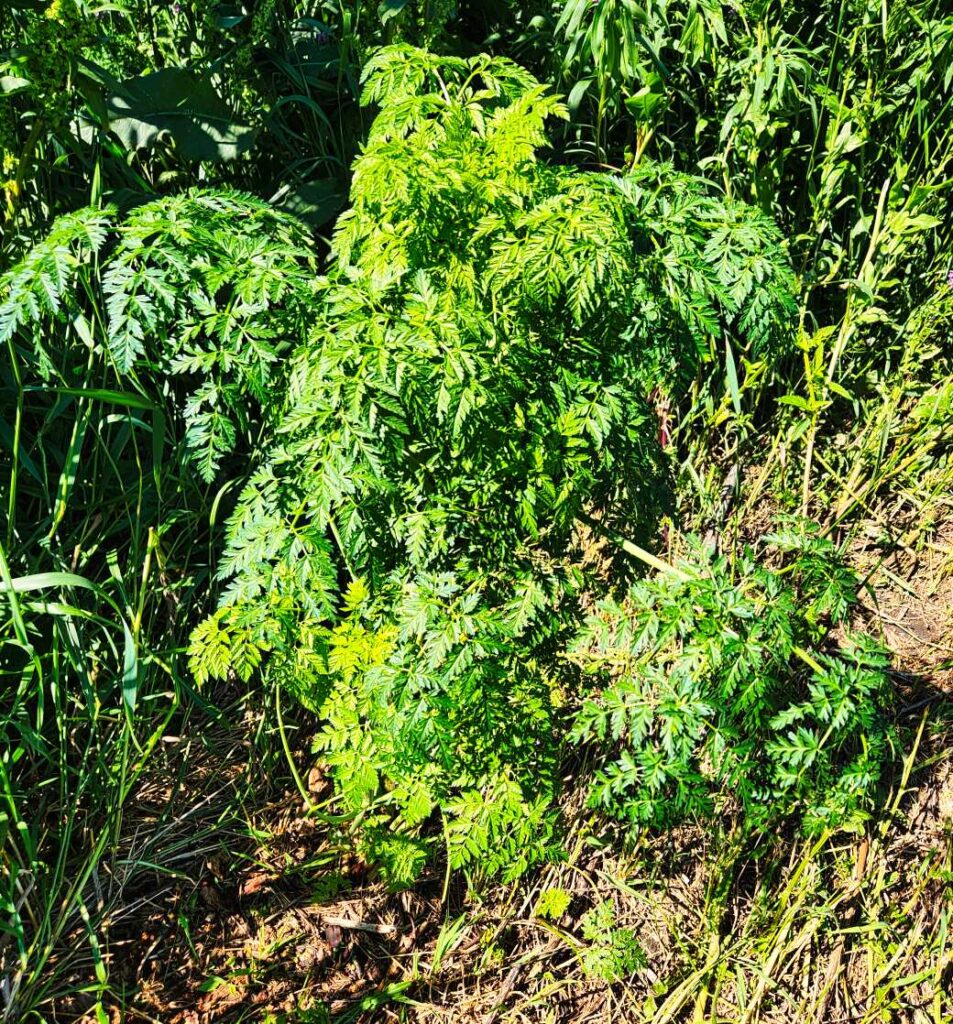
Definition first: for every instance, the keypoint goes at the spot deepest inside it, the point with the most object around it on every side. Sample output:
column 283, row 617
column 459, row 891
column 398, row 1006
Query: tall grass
column 102, row 562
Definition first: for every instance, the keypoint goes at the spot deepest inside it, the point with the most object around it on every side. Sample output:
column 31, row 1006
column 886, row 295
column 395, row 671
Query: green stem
column 285, row 746
column 633, row 549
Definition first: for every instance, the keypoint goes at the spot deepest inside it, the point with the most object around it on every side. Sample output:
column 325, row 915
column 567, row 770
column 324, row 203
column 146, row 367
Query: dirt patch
column 912, row 605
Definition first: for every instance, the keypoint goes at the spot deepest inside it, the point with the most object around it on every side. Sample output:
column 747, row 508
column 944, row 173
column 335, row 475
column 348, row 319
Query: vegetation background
column 475, row 533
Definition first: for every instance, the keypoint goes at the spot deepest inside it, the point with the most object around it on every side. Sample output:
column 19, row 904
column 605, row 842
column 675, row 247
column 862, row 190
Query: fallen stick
column 358, row 926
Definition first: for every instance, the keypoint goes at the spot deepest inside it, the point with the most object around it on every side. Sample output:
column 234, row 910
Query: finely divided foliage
column 396, row 384
column 471, row 377
column 474, row 381
column 716, row 691
column 207, row 289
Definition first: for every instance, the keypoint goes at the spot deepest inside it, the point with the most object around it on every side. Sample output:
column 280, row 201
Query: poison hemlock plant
column 553, row 903
column 720, row 686
column 475, row 379
column 612, row 953
column 204, row 293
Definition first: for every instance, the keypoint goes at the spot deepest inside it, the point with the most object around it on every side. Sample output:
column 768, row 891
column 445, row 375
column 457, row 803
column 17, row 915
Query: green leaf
column 390, row 9
column 577, row 93
column 315, row 203
column 178, row 105
column 130, row 659
column 648, row 100
column 125, row 398
column 10, row 84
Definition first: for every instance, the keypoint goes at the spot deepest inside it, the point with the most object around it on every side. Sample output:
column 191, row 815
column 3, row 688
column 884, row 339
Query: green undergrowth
column 551, row 449
column 720, row 685
column 480, row 383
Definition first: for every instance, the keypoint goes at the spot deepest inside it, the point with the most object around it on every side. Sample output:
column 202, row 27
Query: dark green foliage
column 723, row 687
column 104, row 540
column 140, row 98
column 180, row 106
column 210, row 289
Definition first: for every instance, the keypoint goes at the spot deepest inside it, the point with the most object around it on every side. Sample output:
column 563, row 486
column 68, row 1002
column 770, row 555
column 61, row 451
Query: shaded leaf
column 316, row 202
column 179, row 105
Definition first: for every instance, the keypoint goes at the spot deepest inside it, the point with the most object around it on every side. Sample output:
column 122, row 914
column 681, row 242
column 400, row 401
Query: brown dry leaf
column 255, row 882
column 317, row 782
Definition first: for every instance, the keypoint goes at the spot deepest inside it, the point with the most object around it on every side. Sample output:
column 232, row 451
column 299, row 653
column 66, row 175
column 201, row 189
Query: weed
column 717, row 688
column 478, row 379
column 613, row 953
column 553, row 903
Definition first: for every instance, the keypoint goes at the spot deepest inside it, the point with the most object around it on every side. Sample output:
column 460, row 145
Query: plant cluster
column 203, row 292
column 421, row 463
column 721, row 687
column 611, row 953
column 477, row 380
